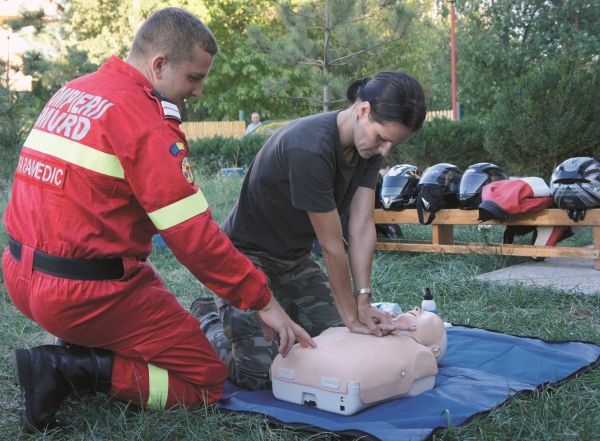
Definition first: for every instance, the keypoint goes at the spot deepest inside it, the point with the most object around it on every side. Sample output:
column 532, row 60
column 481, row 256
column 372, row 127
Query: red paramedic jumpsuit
column 104, row 168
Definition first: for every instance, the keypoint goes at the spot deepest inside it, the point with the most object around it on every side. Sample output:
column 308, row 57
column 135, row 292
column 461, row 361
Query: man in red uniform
column 104, row 168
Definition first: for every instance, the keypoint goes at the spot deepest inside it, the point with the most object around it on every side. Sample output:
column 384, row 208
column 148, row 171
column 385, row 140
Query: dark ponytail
column 352, row 92
column 394, row 97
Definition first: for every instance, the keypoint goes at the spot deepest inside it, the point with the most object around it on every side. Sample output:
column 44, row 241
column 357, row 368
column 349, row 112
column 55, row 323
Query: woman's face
column 372, row 138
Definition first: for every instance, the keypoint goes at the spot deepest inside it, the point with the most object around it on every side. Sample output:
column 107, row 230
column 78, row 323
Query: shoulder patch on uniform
column 176, row 148
column 186, row 169
column 170, row 109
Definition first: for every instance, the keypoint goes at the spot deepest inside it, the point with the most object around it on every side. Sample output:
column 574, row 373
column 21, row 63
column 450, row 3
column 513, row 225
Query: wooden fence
column 431, row 114
column 442, row 233
column 206, row 129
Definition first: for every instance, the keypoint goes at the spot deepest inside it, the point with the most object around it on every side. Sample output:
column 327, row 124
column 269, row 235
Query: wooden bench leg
column 442, row 234
column 596, row 233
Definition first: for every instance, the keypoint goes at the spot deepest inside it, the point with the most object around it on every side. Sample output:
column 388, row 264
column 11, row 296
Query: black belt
column 81, row 269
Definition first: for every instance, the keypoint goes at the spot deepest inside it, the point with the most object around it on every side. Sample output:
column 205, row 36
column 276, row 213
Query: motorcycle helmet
column 438, row 188
column 473, row 180
column 398, row 187
column 575, row 184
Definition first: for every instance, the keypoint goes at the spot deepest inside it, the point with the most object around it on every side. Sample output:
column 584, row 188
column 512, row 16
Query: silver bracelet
column 362, row 291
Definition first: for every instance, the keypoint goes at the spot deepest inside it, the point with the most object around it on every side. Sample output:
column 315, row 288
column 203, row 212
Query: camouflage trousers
column 303, row 291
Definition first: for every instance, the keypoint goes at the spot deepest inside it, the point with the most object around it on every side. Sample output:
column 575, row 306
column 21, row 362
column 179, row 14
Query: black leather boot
column 48, row 374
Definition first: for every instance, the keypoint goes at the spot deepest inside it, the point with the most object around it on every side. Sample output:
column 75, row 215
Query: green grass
column 562, row 412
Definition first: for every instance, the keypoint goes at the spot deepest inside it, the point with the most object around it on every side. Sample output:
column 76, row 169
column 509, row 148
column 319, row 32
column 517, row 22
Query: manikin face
column 372, row 138
column 430, row 331
column 180, row 80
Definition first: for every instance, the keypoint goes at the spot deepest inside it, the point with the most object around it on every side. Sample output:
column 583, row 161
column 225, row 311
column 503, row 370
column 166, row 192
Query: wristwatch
column 362, row 291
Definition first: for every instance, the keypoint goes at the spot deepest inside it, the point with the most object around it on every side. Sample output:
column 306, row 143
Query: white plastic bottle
column 428, row 304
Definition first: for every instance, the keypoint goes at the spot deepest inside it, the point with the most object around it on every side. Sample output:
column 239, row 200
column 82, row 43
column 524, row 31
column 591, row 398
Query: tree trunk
column 324, row 68
column 326, row 98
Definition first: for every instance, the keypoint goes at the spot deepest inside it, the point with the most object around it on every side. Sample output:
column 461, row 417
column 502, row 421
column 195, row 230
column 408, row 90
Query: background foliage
column 441, row 140
column 528, row 81
column 527, row 69
column 326, row 41
column 548, row 115
column 209, row 155
column 500, row 42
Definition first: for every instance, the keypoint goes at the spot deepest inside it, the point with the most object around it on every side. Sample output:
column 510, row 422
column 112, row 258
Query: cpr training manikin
column 348, row 372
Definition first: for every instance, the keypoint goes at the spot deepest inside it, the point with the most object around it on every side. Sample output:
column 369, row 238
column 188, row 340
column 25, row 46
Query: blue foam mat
column 481, row 369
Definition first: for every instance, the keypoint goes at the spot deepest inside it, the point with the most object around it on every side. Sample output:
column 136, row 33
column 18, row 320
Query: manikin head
column 430, row 331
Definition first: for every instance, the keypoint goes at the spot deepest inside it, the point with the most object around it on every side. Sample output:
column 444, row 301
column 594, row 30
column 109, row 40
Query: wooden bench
column 442, row 237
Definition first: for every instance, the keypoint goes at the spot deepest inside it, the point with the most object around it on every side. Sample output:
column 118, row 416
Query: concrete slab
column 570, row 275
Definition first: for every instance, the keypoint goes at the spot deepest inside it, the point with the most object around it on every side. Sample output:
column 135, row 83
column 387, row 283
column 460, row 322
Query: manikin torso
column 397, row 365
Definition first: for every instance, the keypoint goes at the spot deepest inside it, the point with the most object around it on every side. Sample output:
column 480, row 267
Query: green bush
column 209, row 155
column 13, row 129
column 548, row 116
column 442, row 140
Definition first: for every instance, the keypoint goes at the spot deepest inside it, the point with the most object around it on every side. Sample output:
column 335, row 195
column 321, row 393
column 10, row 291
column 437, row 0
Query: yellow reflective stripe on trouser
column 179, row 211
column 158, row 387
column 75, row 153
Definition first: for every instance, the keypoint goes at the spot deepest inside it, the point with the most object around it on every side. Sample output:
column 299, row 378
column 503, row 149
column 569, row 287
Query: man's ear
column 158, row 65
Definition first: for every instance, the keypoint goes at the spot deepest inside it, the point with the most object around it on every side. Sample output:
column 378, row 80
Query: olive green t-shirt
column 300, row 168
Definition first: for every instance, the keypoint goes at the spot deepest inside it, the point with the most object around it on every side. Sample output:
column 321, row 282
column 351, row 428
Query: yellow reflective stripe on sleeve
column 158, row 387
column 75, row 153
column 179, row 211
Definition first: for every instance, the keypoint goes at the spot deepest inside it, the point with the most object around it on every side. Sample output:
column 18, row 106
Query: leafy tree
column 500, row 41
column 34, row 18
column 26, row 18
column 424, row 52
column 106, row 27
column 443, row 140
column 327, row 42
column 234, row 83
column 548, row 116
column 102, row 27
column 15, row 107
column 50, row 74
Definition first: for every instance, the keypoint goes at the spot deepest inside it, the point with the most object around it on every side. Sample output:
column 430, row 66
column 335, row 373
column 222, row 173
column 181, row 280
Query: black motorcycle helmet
column 575, row 184
column 447, row 177
column 398, row 187
column 473, row 180
column 438, row 188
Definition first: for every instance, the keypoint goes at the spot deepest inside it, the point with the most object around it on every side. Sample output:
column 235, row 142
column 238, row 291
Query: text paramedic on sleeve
column 104, row 168
column 305, row 175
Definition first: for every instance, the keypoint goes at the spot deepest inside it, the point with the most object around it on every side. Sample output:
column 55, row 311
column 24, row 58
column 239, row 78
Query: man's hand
column 273, row 318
